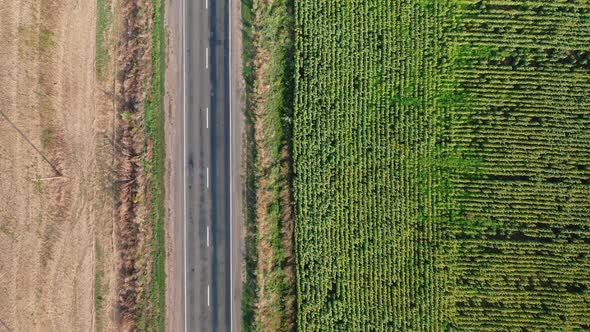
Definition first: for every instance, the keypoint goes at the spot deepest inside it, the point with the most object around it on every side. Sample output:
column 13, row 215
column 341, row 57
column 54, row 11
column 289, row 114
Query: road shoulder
column 237, row 93
column 173, row 177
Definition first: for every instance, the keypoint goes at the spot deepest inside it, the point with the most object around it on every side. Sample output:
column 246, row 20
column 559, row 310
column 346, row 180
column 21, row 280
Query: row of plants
column 441, row 165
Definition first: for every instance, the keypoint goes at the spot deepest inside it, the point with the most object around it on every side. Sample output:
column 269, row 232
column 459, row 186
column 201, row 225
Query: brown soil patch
column 55, row 121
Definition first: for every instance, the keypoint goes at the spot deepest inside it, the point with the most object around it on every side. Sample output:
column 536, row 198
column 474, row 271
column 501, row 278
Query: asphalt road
column 207, row 166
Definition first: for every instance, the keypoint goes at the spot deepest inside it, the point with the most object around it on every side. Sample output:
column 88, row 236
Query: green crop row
column 442, row 165
column 368, row 153
column 521, row 260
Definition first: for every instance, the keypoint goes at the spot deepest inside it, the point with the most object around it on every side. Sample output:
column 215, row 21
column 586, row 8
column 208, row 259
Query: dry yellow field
column 56, row 219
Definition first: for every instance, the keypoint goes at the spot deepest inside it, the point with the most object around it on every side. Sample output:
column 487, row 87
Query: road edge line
column 184, row 156
column 231, row 274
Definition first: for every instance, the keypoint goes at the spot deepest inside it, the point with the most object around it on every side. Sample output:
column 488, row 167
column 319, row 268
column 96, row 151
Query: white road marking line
column 207, row 236
column 208, row 297
column 183, row 31
column 231, row 281
column 206, row 4
column 207, row 117
column 207, row 57
column 207, row 177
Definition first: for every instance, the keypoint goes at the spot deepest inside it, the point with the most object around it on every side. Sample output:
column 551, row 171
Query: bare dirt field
column 56, row 205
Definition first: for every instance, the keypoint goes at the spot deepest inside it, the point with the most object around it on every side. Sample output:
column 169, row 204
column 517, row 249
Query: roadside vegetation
column 268, row 301
column 139, row 167
column 155, row 128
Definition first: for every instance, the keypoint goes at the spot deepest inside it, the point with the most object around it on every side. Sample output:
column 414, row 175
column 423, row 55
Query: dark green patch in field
column 104, row 21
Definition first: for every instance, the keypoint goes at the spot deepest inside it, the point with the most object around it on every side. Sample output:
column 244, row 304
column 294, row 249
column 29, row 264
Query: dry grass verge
column 139, row 168
column 269, row 291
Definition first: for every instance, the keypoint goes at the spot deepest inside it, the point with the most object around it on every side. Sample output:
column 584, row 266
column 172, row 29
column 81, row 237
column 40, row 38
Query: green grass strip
column 155, row 128
column 104, row 21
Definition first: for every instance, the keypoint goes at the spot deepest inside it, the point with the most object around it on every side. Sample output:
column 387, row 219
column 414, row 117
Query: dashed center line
column 207, row 177
column 207, row 117
column 207, row 57
column 208, row 297
column 207, row 236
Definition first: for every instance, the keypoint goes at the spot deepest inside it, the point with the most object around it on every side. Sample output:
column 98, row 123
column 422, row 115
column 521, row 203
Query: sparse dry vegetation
column 54, row 195
column 269, row 291
column 77, row 196
column 139, row 167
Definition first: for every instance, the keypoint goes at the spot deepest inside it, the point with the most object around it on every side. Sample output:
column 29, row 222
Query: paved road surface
column 206, row 136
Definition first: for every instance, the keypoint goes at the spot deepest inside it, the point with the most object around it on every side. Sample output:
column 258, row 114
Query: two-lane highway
column 207, row 173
